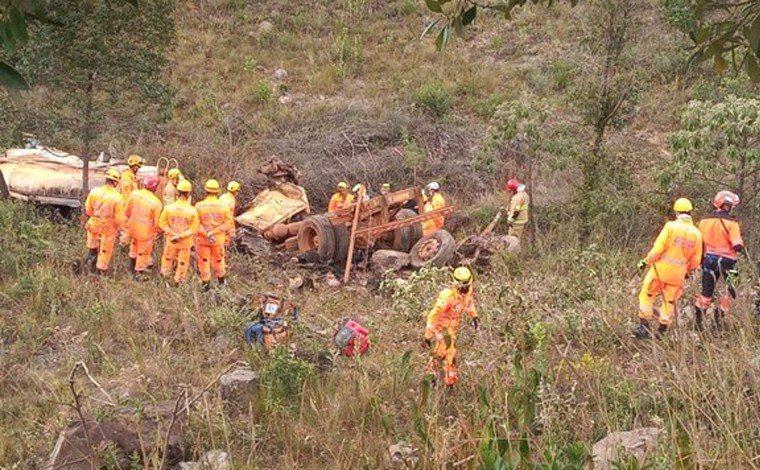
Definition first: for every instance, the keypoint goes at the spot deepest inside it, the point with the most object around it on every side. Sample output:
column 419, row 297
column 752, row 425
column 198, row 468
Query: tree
column 721, row 30
column 98, row 63
column 717, row 148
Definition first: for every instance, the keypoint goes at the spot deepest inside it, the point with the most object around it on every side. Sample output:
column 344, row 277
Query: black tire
column 342, row 241
column 447, row 246
column 316, row 234
column 415, row 230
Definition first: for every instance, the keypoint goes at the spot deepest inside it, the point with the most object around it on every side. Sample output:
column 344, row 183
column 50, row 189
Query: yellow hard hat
column 342, row 185
column 386, row 186
column 356, row 188
column 682, row 205
column 134, row 160
column 174, row 173
column 212, row 186
column 233, row 186
column 462, row 275
column 113, row 174
column 184, row 186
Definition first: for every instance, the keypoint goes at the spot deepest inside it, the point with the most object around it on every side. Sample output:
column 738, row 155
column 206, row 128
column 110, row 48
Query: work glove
column 476, row 323
column 732, row 277
column 511, row 219
column 210, row 237
column 642, row 264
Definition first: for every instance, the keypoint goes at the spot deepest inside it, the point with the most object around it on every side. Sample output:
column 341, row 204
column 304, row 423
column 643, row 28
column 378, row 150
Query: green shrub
column 282, row 379
column 408, row 7
column 263, row 91
column 433, row 98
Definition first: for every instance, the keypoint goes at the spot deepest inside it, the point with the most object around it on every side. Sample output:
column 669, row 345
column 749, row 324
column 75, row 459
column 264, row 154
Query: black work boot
column 206, row 285
column 699, row 315
column 221, row 280
column 132, row 263
column 642, row 331
column 661, row 330
column 91, row 259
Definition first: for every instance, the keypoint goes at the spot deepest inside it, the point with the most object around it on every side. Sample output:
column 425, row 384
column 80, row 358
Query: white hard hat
column 434, row 186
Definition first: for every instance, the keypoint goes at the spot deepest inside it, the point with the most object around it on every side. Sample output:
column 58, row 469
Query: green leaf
column 17, row 25
column 9, row 43
column 429, row 27
column 719, row 64
column 469, row 16
column 753, row 70
column 10, row 78
column 434, row 6
column 443, row 38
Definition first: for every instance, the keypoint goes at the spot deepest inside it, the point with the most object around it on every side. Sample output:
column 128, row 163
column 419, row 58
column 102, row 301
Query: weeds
column 433, row 98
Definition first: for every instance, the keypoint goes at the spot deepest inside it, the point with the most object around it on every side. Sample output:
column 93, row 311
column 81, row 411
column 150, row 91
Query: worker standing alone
column 434, row 201
column 676, row 252
column 341, row 199
column 215, row 222
column 722, row 243
column 143, row 213
column 519, row 203
column 443, row 323
column 230, row 199
column 179, row 223
column 104, row 207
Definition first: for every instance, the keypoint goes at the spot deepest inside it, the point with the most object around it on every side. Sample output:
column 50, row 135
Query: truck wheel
column 316, row 234
column 342, row 240
column 415, row 230
column 436, row 249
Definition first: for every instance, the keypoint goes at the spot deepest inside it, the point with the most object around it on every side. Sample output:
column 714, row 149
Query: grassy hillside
column 554, row 368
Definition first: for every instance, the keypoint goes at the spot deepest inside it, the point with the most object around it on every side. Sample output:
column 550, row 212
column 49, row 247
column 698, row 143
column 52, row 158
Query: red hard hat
column 725, row 197
column 513, row 184
column 151, row 183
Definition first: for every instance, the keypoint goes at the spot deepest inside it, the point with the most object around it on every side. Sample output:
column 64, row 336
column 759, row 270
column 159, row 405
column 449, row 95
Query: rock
column 280, row 74
column 212, row 460
column 331, row 280
column 285, row 99
column 389, row 259
column 636, row 442
column 238, row 388
column 126, row 432
column 402, row 455
column 264, row 28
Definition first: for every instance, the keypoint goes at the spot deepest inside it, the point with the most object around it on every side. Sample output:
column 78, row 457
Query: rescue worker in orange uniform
column 215, row 222
column 385, row 189
column 434, row 200
column 676, row 252
column 104, row 207
column 143, row 213
column 179, row 222
column 230, row 198
column 443, row 323
column 722, row 243
column 517, row 214
column 341, row 199
column 129, row 181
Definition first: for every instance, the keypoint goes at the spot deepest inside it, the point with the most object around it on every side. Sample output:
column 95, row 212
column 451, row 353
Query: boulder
column 616, row 445
column 264, row 28
column 126, row 432
column 389, row 259
column 238, row 388
column 280, row 74
column 211, row 460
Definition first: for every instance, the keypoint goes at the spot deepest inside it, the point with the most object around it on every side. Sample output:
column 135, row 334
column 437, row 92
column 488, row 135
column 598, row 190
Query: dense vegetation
column 589, row 104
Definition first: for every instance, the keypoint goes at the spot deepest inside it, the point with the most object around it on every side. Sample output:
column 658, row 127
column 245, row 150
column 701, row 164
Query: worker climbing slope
column 215, row 223
column 519, row 203
column 104, row 207
column 179, row 222
column 341, row 199
column 433, row 201
column 443, row 323
column 230, row 199
column 676, row 252
column 722, row 244
column 143, row 213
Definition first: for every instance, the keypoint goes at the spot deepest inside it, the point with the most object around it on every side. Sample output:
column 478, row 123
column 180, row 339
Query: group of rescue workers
column 128, row 208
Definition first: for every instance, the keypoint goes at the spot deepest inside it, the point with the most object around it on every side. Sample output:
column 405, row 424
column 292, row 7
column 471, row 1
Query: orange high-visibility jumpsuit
column 519, row 203
column 340, row 201
column 433, row 203
column 229, row 199
column 105, row 208
column 677, row 250
column 443, row 325
column 179, row 222
column 722, row 238
column 143, row 212
column 170, row 192
column 215, row 219
column 128, row 183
